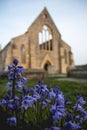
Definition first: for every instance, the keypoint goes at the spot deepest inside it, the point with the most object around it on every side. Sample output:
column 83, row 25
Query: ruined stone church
column 40, row 47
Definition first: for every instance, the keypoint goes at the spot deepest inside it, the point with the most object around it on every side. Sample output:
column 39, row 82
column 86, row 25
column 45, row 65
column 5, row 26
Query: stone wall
column 35, row 74
column 77, row 73
column 30, row 74
column 27, row 47
column 66, row 57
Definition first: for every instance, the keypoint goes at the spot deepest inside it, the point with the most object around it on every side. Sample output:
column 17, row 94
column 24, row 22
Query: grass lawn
column 70, row 89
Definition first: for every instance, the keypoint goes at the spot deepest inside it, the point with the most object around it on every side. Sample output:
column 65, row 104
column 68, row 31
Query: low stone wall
column 30, row 74
column 3, row 75
column 77, row 73
column 35, row 74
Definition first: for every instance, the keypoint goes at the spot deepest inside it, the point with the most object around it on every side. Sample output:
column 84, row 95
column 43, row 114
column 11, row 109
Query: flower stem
column 13, row 88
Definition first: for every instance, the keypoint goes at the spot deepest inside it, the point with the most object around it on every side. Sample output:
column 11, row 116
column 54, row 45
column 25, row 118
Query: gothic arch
column 14, row 46
column 47, row 60
column 45, row 38
column 22, row 52
column 47, row 64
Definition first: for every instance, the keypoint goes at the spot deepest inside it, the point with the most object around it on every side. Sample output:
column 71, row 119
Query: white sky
column 70, row 17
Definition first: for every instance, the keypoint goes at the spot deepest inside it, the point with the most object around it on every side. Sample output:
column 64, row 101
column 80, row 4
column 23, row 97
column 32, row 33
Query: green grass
column 2, row 87
column 70, row 89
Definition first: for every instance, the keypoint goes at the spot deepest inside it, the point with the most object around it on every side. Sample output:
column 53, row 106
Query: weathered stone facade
column 41, row 47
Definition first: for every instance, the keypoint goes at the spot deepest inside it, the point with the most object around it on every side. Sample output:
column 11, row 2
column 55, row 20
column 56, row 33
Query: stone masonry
column 40, row 47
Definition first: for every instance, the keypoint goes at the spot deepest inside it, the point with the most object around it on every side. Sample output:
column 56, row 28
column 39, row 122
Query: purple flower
column 42, row 90
column 15, row 62
column 12, row 121
column 3, row 102
column 11, row 75
column 78, row 107
column 45, row 103
column 78, row 118
column 36, row 97
column 53, row 109
column 52, row 99
column 69, row 117
column 12, row 104
column 10, row 67
column 60, row 99
column 10, row 93
column 52, row 94
column 19, row 70
column 57, row 112
column 12, row 107
column 25, row 90
column 16, row 99
column 9, row 85
column 53, row 128
column 27, row 102
column 84, row 115
column 71, row 126
column 57, row 89
column 24, row 80
column 36, row 89
column 7, row 97
column 80, row 100
column 19, row 85
column 40, row 82
column 58, row 115
column 66, row 101
column 48, row 101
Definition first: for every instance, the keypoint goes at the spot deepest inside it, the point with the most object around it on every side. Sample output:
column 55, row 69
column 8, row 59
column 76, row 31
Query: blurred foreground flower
column 40, row 107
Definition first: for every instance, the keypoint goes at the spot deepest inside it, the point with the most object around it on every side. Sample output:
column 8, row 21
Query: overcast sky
column 70, row 17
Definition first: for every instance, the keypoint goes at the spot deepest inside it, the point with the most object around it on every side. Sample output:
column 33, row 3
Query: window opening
column 65, row 54
column 45, row 38
column 22, row 54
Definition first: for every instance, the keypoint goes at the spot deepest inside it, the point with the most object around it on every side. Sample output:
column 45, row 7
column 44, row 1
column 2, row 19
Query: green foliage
column 84, row 67
column 2, row 87
column 39, row 118
column 70, row 89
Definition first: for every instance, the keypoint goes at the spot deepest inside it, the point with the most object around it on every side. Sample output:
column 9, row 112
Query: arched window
column 13, row 51
column 65, row 54
column 70, row 58
column 45, row 38
column 13, row 46
column 22, row 54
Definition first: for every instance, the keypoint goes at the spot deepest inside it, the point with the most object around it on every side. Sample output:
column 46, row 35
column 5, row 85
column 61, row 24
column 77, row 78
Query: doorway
column 46, row 66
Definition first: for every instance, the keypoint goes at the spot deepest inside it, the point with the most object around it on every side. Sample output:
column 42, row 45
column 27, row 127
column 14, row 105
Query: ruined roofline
column 5, row 47
column 11, row 40
column 62, row 41
column 44, row 10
